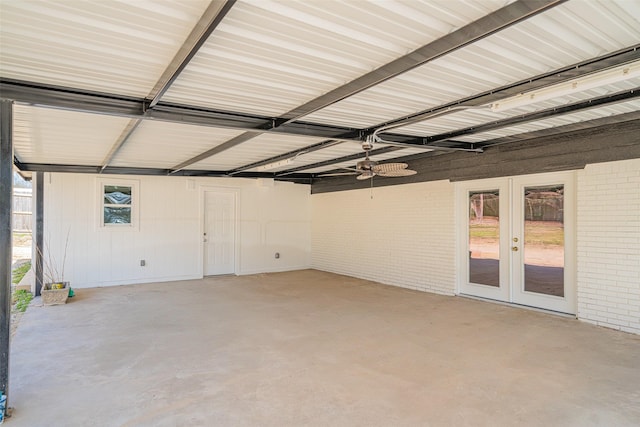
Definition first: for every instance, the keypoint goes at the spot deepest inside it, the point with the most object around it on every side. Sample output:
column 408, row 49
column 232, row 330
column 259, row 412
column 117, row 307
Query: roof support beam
column 198, row 36
column 339, row 160
column 73, row 99
column 217, row 149
column 477, row 30
column 291, row 154
column 112, row 170
column 124, row 137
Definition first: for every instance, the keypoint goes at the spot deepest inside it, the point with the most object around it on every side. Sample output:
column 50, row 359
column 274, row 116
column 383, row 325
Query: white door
column 219, row 233
column 518, row 243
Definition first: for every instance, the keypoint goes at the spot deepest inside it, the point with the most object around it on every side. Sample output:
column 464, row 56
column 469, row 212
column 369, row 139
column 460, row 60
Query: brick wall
column 404, row 236
column 608, row 241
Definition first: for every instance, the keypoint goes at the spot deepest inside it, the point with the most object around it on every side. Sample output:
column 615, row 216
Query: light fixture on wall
column 275, row 165
column 279, row 163
column 592, row 81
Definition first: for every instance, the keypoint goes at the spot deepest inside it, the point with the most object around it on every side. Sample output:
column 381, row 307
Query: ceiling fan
column 368, row 168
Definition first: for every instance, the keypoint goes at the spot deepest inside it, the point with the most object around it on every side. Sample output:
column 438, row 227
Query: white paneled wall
column 271, row 218
column 609, row 245
column 404, row 236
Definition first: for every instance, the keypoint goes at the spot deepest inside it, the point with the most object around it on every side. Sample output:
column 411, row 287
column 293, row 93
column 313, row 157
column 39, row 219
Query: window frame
column 101, row 205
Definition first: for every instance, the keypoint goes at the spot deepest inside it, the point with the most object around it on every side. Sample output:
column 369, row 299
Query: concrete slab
column 313, row 348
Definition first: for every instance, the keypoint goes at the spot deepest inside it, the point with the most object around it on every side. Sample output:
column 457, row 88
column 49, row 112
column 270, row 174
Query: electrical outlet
column 277, row 255
column 143, row 263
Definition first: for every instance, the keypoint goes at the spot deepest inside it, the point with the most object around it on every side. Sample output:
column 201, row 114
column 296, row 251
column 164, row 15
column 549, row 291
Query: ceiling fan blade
column 388, row 167
column 398, row 172
column 365, row 175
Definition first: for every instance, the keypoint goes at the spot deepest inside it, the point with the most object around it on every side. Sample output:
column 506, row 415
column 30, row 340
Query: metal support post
column 6, row 238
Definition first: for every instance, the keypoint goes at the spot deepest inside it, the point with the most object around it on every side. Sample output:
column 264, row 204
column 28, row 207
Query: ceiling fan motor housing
column 366, row 165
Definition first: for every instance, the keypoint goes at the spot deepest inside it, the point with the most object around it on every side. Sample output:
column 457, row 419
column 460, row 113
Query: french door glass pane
column 544, row 240
column 484, row 238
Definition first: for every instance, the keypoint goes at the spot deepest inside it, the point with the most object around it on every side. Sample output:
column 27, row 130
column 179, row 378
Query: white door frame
column 203, row 189
column 511, row 226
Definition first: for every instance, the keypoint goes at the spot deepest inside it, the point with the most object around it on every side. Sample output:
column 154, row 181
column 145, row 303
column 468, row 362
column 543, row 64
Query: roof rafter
column 208, row 22
column 210, row 19
column 305, row 150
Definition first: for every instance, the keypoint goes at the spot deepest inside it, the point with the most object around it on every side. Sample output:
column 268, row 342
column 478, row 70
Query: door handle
column 514, row 249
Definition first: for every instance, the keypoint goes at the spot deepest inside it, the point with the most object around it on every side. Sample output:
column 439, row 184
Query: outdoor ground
column 21, row 246
column 21, row 254
column 309, row 348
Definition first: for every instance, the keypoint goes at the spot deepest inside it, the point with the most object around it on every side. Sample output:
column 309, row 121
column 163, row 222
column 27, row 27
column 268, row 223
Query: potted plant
column 55, row 289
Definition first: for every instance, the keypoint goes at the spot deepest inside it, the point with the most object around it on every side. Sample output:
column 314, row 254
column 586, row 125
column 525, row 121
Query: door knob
column 514, row 249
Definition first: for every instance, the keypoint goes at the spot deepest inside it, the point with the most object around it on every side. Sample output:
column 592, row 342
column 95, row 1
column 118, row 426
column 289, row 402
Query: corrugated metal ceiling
column 111, row 46
column 157, row 144
column 267, row 58
column 256, row 149
column 538, row 45
column 45, row 135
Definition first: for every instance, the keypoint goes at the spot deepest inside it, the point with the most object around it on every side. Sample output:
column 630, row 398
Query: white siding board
column 270, row 219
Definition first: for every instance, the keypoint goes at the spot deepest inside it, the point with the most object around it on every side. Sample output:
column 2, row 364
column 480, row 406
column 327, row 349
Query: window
column 118, row 204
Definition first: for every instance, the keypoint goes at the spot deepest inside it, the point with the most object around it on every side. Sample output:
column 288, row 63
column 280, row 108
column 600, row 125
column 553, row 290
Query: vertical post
column 6, row 240
column 39, row 237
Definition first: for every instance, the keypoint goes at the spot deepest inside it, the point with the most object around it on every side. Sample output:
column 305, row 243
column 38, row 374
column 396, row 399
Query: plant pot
column 52, row 296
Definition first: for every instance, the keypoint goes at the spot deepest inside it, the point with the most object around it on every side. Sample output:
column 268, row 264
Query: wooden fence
column 22, row 209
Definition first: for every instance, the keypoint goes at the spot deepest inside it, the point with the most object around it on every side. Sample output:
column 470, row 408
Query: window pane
column 117, row 215
column 117, row 195
column 484, row 238
column 544, row 240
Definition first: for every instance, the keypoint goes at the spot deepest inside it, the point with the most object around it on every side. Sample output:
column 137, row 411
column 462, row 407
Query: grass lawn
column 536, row 232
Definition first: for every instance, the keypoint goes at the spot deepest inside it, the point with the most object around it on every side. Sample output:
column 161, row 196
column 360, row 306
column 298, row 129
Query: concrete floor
column 313, row 348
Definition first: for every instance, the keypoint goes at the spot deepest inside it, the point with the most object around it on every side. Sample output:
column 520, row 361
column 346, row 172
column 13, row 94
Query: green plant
column 22, row 298
column 19, row 272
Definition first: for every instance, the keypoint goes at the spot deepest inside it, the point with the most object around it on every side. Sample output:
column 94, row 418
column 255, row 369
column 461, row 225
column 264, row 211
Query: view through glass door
column 517, row 244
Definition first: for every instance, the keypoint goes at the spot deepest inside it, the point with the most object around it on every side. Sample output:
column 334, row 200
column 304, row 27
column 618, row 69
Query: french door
column 517, row 240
